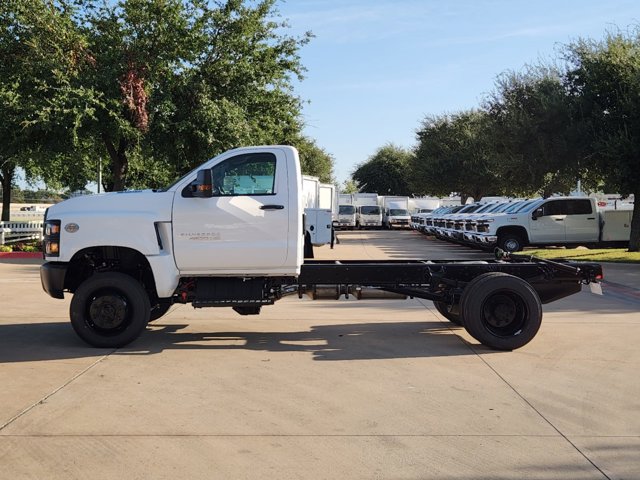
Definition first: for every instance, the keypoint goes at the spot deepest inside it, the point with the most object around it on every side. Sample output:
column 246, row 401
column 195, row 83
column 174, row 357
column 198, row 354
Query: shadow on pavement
column 362, row 341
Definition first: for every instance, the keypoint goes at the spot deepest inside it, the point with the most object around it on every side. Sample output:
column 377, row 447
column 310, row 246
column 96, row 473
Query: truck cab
column 346, row 216
column 368, row 216
column 227, row 218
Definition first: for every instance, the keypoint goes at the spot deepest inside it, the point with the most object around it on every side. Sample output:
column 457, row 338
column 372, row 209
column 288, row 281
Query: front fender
column 134, row 230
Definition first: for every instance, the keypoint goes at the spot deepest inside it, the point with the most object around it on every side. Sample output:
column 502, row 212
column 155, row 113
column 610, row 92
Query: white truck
column 368, row 213
column 395, row 212
column 318, row 220
column 327, row 197
column 346, row 212
column 423, row 204
column 230, row 234
column 555, row 221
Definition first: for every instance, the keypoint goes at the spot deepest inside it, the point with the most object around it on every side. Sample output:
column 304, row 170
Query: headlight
column 52, row 227
column 51, row 239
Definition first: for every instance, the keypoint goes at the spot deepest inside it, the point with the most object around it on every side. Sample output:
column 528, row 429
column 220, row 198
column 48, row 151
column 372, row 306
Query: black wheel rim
column 504, row 314
column 108, row 311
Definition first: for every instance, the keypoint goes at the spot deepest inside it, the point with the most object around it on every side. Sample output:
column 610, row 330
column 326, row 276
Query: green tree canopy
column 385, row 172
column 455, row 154
column 538, row 137
column 604, row 77
column 152, row 87
column 314, row 160
column 40, row 102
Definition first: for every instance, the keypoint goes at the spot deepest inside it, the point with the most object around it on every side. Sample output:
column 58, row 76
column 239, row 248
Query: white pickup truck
column 557, row 221
column 230, row 234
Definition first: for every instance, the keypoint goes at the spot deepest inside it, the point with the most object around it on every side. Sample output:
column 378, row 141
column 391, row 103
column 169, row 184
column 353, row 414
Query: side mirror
column 537, row 213
column 203, row 186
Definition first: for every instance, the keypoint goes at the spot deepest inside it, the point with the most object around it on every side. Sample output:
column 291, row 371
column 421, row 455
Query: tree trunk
column 6, row 176
column 634, row 241
column 477, row 195
column 118, row 166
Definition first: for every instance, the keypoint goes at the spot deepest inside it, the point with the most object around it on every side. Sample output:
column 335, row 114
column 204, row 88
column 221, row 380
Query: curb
column 16, row 255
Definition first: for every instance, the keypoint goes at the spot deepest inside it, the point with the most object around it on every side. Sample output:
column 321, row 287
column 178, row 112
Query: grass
column 618, row 255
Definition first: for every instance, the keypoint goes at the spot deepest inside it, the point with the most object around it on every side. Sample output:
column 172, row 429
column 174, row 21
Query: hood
column 155, row 204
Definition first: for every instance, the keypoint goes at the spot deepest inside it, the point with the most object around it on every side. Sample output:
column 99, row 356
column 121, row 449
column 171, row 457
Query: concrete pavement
column 326, row 389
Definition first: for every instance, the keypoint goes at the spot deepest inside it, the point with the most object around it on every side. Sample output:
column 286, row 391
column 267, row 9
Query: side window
column 554, row 208
column 579, row 207
column 249, row 174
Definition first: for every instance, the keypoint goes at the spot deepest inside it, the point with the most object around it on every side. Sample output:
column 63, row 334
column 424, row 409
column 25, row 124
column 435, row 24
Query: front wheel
column 501, row 311
column 109, row 310
column 510, row 242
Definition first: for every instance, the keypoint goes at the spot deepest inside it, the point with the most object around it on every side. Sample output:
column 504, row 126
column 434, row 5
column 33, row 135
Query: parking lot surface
column 322, row 389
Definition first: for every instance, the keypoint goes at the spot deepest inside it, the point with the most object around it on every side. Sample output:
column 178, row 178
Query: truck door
column 581, row 222
column 244, row 226
column 550, row 226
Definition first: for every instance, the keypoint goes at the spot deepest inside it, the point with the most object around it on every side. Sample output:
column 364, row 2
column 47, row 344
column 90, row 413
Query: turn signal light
column 52, row 248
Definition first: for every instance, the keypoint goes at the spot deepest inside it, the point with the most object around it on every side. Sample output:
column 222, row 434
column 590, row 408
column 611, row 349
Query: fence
column 11, row 232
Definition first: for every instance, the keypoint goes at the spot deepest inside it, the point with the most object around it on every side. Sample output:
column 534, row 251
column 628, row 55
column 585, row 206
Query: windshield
column 398, row 212
column 470, row 208
column 370, row 210
column 346, row 210
column 506, row 207
column 528, row 206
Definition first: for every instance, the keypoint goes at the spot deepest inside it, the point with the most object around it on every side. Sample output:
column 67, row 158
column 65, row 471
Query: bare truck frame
column 499, row 302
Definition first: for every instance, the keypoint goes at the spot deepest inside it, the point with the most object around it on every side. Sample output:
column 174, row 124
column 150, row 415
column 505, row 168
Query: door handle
column 271, row 207
column 559, row 219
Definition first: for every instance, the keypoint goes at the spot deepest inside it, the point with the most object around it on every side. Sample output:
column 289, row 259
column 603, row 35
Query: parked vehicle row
column 512, row 225
column 370, row 210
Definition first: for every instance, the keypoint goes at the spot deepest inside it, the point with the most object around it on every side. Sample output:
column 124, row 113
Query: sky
column 377, row 68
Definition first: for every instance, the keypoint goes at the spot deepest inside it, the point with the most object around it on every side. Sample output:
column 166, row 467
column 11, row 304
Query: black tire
column 158, row 310
column 501, row 311
column 452, row 315
column 510, row 242
column 109, row 310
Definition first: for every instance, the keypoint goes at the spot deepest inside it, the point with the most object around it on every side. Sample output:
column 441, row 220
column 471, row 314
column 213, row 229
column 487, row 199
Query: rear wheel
column 501, row 311
column 450, row 312
column 109, row 310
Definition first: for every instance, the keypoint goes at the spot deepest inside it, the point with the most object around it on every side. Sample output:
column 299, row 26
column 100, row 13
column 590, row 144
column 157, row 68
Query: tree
column 385, row 172
column 349, row 186
column 605, row 78
column 539, row 138
column 455, row 154
column 182, row 81
column 314, row 161
column 41, row 54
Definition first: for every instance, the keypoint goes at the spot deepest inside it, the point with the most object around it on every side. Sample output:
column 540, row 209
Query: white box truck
column 327, row 197
column 396, row 212
column 368, row 212
column 423, row 204
column 318, row 218
column 346, row 212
